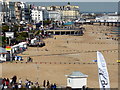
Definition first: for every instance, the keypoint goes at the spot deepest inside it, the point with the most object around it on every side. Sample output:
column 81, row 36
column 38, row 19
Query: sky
column 68, row 0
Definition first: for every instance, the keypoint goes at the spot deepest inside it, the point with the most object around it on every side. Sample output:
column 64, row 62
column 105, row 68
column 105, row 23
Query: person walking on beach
column 14, row 79
column 48, row 83
column 44, row 83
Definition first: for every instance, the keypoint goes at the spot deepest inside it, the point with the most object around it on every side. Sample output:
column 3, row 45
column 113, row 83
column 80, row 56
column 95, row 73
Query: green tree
column 68, row 3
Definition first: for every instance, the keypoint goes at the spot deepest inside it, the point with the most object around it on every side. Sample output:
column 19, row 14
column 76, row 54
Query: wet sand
column 65, row 54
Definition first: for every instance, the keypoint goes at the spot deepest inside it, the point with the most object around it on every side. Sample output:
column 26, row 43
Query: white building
column 39, row 15
column 77, row 80
column 55, row 15
column 110, row 18
column 4, row 55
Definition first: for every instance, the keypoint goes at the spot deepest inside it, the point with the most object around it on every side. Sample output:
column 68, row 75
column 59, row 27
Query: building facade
column 39, row 15
column 26, row 12
column 55, row 15
column 110, row 18
column 12, row 17
column 67, row 12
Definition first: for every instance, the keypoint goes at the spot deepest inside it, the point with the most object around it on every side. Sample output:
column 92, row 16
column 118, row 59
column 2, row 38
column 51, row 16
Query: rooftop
column 2, row 50
column 77, row 74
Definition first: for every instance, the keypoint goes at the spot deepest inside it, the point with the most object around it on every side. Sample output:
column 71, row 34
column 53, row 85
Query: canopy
column 68, row 23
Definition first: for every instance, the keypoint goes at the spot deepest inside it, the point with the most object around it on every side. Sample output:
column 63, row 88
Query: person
column 29, row 59
column 11, row 81
column 51, row 86
column 14, row 79
column 20, row 81
column 26, row 83
column 19, row 85
column 7, row 82
column 48, row 83
column 3, row 83
column 44, row 83
column 54, row 86
column 16, row 86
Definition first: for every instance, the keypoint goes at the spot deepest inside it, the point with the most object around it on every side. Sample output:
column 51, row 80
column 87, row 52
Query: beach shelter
column 77, row 80
column 68, row 23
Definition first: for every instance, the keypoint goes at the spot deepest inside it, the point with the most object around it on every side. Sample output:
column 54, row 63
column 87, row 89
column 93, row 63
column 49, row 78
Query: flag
column 102, row 72
column 8, row 48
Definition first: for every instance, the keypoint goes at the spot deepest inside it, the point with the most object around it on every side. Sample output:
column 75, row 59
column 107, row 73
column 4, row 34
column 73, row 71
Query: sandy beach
column 65, row 54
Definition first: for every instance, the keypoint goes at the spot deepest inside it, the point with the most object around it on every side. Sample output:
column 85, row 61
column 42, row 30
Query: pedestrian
column 10, row 81
column 7, row 82
column 14, row 79
column 16, row 86
column 20, row 81
column 48, row 83
column 54, row 86
column 44, row 83
column 19, row 85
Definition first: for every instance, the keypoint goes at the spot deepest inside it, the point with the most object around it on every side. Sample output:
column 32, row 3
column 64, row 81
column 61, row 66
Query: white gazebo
column 76, row 80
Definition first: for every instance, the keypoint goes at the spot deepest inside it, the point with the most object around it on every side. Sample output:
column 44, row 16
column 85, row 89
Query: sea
column 85, row 7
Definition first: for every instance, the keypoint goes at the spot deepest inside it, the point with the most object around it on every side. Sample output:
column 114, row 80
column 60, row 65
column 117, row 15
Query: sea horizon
column 85, row 7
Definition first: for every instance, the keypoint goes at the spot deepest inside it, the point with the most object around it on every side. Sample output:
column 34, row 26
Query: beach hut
column 76, row 80
column 4, row 55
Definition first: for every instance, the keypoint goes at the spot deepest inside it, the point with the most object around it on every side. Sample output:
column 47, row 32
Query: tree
column 5, row 28
column 68, row 3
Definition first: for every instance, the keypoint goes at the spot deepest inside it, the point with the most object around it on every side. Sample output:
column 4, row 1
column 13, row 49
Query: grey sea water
column 95, row 7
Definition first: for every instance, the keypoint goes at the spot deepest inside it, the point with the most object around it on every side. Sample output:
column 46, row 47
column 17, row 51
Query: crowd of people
column 13, row 83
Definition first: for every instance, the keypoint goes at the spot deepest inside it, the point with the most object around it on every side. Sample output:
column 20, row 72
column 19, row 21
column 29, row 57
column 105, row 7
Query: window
column 3, row 55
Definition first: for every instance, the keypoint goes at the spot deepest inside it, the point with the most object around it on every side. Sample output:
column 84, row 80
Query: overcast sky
column 68, row 0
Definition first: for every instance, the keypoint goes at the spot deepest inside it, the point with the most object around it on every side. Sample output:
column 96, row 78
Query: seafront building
column 12, row 17
column 65, row 12
column 39, row 15
column 55, row 15
column 108, row 18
